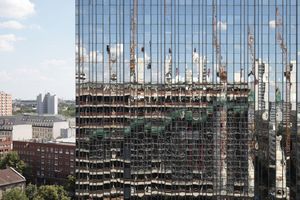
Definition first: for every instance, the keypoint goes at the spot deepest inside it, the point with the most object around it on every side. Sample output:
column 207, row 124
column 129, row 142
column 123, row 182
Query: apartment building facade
column 5, row 104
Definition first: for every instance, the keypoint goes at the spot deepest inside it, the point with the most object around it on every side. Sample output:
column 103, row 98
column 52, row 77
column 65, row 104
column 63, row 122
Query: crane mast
column 133, row 40
column 251, row 41
column 222, row 128
column 287, row 74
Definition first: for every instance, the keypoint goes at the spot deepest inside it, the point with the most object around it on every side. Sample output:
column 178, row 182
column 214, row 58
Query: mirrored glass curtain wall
column 187, row 99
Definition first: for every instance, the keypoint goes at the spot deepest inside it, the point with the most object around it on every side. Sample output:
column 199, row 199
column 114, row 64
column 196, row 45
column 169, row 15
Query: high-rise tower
column 173, row 102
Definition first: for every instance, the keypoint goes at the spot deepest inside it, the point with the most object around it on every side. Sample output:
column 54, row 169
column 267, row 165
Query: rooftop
column 30, row 119
column 10, row 176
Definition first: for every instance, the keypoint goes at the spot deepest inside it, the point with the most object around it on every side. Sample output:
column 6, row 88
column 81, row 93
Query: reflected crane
column 133, row 40
column 222, row 129
column 287, row 74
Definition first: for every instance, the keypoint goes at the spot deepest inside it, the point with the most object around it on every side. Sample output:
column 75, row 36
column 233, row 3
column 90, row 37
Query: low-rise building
column 10, row 179
column 46, row 127
column 51, row 162
column 26, row 127
column 5, row 145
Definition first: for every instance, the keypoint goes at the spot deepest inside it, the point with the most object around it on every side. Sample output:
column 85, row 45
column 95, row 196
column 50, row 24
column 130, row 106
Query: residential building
column 26, row 127
column 5, row 104
column 5, row 145
column 14, row 128
column 47, row 105
column 50, row 162
column 11, row 179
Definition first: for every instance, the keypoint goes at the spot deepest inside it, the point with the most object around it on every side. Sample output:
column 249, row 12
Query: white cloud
column 54, row 62
column 222, row 25
column 30, row 74
column 11, row 24
column 117, row 49
column 272, row 24
column 298, row 53
column 16, row 9
column 7, row 42
column 35, row 27
column 5, row 76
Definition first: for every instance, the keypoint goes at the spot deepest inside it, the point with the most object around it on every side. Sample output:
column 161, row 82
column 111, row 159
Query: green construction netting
column 251, row 96
column 100, row 133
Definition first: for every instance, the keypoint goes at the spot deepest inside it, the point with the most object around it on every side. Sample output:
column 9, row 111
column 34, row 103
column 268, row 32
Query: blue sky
column 37, row 47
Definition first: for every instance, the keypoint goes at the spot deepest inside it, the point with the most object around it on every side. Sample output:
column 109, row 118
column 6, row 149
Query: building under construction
column 187, row 99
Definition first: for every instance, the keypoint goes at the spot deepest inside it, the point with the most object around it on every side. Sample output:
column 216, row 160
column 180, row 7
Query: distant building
column 5, row 104
column 51, row 163
column 47, row 105
column 5, row 145
column 261, row 86
column 293, row 85
column 14, row 128
column 67, row 132
column 10, row 179
column 26, row 127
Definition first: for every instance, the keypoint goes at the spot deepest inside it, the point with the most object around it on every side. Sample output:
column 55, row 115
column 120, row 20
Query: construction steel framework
column 187, row 99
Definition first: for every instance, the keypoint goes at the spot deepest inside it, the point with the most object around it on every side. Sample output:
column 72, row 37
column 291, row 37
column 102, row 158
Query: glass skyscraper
column 187, row 99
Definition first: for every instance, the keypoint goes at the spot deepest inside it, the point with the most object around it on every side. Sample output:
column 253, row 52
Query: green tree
column 13, row 160
column 31, row 191
column 14, row 194
column 51, row 192
column 70, row 186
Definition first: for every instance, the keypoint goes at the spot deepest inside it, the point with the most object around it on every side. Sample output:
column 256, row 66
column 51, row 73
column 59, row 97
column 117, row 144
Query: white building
column 294, row 85
column 47, row 105
column 200, row 68
column 140, row 70
column 262, row 86
column 26, row 127
column 239, row 77
column 67, row 132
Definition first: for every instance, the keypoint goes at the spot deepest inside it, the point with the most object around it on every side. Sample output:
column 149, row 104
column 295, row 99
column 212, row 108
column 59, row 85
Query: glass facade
column 187, row 99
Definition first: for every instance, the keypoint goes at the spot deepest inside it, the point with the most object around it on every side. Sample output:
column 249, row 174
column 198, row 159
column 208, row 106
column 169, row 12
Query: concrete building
column 47, row 105
column 51, row 162
column 14, row 128
column 11, row 179
column 67, row 132
column 5, row 104
column 261, row 86
column 26, row 127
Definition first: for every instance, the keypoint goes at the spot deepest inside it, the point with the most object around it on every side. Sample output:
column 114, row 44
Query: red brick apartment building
column 5, row 145
column 50, row 163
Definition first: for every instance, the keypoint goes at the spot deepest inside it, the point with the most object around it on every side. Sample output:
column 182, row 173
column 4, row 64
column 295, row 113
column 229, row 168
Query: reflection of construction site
column 158, row 140
column 173, row 102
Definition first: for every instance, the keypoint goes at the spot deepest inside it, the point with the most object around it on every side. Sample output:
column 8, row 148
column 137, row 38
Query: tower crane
column 287, row 74
column 112, row 59
column 169, row 68
column 133, row 40
column 80, row 75
column 222, row 74
column 251, row 42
